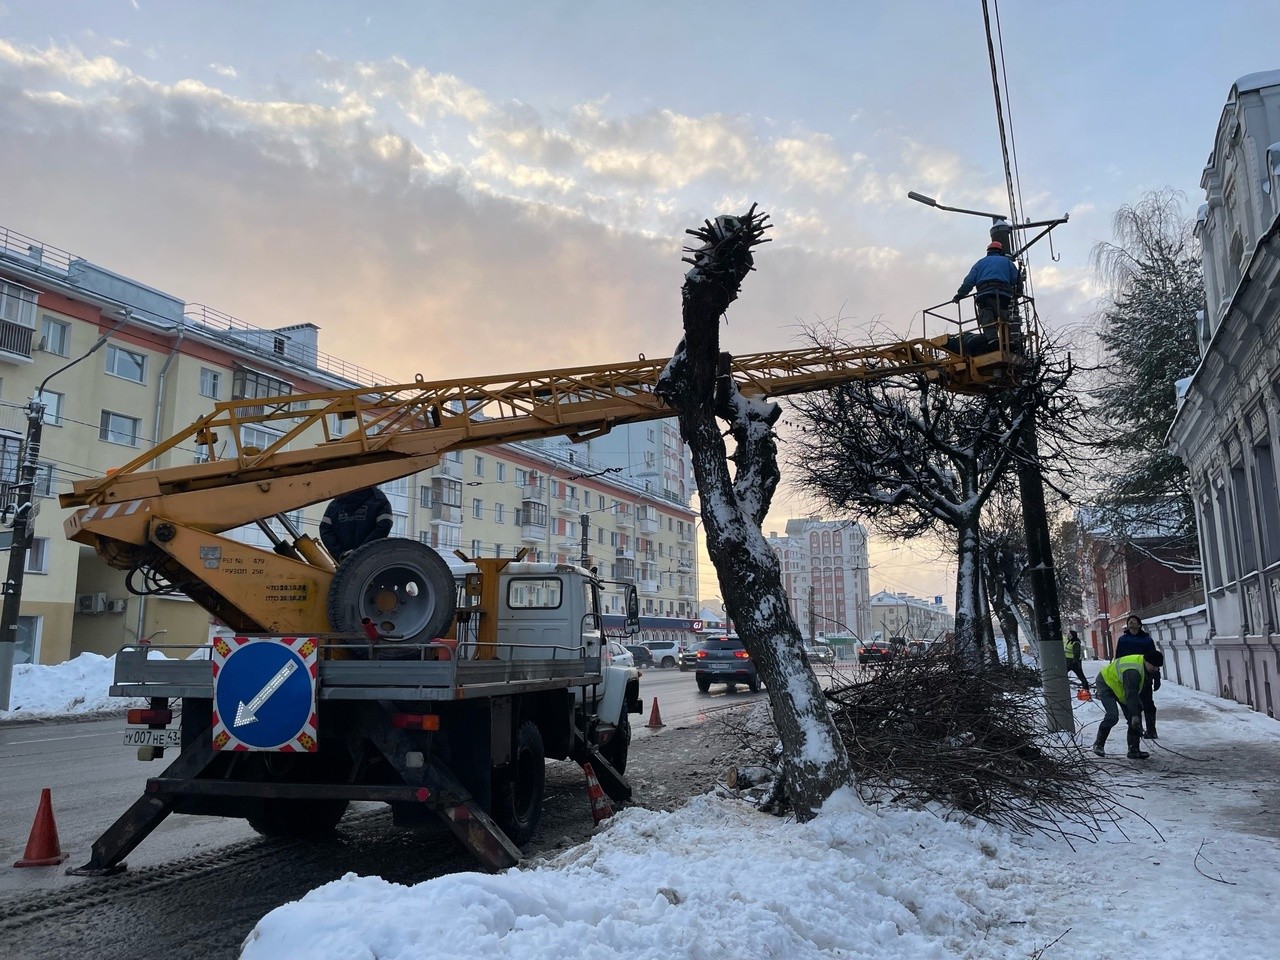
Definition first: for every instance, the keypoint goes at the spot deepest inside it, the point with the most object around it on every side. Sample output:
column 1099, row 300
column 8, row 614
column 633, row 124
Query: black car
column 689, row 659
column 877, row 652
column 643, row 657
column 725, row 660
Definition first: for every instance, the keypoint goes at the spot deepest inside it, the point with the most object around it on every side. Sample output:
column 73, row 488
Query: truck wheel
column 402, row 586
column 704, row 684
column 298, row 819
column 517, row 791
column 615, row 751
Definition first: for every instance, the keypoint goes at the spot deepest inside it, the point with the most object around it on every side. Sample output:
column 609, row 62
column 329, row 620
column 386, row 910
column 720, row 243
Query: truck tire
column 298, row 819
column 616, row 750
column 517, row 791
column 402, row 586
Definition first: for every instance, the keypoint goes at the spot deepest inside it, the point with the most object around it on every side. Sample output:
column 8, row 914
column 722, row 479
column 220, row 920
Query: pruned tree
column 734, row 503
column 912, row 458
column 1155, row 286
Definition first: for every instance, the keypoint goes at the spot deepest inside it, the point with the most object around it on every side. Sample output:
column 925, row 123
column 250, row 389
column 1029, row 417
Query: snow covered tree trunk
column 968, row 593
column 734, row 504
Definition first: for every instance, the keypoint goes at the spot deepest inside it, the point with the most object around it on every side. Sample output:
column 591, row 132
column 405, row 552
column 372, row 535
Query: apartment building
column 124, row 365
column 902, row 615
column 824, row 567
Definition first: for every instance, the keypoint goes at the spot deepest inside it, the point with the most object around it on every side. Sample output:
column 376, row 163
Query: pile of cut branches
column 925, row 731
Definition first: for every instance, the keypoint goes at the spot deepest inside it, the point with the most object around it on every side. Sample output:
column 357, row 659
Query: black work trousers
column 1073, row 666
column 1112, row 707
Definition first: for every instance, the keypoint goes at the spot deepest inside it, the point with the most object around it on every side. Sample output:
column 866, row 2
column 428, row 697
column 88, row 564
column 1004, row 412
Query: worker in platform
column 996, row 282
column 354, row 519
column 1119, row 687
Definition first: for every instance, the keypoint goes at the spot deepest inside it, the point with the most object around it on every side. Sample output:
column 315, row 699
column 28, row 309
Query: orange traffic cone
column 601, row 809
column 655, row 718
column 43, row 849
column 1083, row 695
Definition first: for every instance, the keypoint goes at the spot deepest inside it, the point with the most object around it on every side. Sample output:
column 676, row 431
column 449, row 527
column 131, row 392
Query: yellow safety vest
column 1072, row 648
column 1112, row 673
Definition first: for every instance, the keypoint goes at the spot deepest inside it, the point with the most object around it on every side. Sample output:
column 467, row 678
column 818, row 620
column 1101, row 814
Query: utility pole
column 586, row 545
column 813, row 617
column 24, row 516
column 1035, row 517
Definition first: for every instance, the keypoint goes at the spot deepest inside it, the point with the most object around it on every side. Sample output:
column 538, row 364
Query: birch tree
column 735, row 501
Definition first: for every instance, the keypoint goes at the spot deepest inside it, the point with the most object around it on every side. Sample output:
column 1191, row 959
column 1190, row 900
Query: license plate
column 144, row 737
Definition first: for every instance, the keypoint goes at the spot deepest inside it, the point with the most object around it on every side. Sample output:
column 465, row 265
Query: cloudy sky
column 453, row 189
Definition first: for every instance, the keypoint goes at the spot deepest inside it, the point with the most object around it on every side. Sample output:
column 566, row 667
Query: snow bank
column 63, row 689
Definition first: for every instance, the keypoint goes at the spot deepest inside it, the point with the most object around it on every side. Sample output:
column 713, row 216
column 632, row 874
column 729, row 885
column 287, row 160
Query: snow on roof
column 1258, row 81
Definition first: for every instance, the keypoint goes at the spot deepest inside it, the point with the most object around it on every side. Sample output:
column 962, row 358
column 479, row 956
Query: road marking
column 78, row 736
column 246, row 713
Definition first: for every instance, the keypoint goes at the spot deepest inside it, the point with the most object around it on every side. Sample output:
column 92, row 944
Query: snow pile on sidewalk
column 65, row 689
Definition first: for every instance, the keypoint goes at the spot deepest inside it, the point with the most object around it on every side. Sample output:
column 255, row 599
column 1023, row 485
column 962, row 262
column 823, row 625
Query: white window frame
column 213, row 377
column 477, row 509
column 479, row 464
column 53, row 402
column 38, row 556
column 105, row 430
column 500, row 472
column 499, row 513
column 114, row 354
column 49, row 326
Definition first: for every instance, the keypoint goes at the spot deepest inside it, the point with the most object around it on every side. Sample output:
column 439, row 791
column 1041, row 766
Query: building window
column 477, row 509
column 476, row 548
column 43, row 481
column 249, row 384
column 424, row 497
column 497, row 549
column 55, row 335
column 210, row 383
column 479, row 466
column 499, row 513
column 52, row 407
column 257, row 438
column 38, row 555
column 126, row 364
column 117, row 428
column 500, row 472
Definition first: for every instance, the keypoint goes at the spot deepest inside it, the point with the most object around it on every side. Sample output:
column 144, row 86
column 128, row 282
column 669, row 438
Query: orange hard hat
column 995, row 245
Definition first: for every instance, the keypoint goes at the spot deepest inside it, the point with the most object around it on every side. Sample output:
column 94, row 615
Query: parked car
column 620, row 655
column 820, row 652
column 641, row 653
column 725, row 660
column 875, row 651
column 917, row 648
column 666, row 653
column 689, row 659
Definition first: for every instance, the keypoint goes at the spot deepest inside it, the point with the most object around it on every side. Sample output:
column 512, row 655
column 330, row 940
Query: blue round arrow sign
column 264, row 694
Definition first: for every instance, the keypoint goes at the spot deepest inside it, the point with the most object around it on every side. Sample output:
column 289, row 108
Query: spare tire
column 404, row 587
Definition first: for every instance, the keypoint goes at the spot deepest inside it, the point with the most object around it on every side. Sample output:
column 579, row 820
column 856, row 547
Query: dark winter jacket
column 355, row 519
column 1130, row 643
column 1127, row 644
column 995, row 271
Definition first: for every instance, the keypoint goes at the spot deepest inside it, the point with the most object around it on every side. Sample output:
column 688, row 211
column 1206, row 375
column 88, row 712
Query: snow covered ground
column 66, row 689
column 717, row 879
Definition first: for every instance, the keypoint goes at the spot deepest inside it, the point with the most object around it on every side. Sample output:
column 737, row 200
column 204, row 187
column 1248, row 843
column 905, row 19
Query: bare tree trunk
column 969, row 594
column 697, row 384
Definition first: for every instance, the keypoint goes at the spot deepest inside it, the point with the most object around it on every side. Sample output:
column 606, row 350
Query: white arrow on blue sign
column 266, row 692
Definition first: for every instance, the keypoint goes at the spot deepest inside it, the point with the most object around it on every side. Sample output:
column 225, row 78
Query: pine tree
column 1148, row 332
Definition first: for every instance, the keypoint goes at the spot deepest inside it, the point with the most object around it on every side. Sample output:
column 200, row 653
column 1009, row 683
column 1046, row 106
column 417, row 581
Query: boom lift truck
column 393, row 675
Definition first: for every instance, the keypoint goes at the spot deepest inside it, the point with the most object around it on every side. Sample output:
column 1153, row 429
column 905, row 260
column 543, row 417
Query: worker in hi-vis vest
column 1119, row 687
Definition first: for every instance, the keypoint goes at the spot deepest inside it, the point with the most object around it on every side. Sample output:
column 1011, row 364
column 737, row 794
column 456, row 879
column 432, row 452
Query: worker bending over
column 1119, row 687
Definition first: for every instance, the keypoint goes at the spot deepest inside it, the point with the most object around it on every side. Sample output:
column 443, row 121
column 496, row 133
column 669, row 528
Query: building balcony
column 534, row 490
column 685, row 591
column 685, row 566
column 688, row 535
column 533, row 532
column 449, row 468
column 625, row 553
column 647, row 586
column 569, row 505
column 568, row 543
column 647, row 524
column 15, row 341
column 624, row 520
column 445, row 514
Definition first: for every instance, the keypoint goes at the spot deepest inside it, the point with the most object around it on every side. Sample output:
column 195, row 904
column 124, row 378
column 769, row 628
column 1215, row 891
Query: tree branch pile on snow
column 926, row 731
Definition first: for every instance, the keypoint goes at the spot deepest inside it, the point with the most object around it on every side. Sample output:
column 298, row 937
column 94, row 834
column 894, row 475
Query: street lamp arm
column 128, row 315
column 930, row 202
